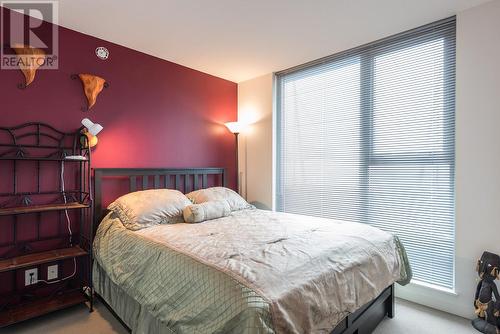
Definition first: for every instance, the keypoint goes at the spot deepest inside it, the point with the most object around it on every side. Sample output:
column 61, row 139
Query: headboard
column 182, row 179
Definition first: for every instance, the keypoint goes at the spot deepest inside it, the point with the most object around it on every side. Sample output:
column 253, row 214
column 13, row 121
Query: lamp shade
column 235, row 127
column 92, row 140
column 88, row 140
column 92, row 128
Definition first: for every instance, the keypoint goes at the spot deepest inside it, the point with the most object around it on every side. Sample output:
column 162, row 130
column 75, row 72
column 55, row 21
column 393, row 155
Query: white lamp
column 91, row 130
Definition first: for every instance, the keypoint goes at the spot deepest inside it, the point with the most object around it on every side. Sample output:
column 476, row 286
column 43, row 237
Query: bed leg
column 91, row 308
column 391, row 307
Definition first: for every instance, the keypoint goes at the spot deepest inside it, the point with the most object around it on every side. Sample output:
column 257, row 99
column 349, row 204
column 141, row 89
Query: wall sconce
column 236, row 128
column 91, row 130
column 92, row 87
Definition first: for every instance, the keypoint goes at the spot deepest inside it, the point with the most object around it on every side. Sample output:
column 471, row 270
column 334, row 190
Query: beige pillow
column 197, row 213
column 236, row 202
column 146, row 208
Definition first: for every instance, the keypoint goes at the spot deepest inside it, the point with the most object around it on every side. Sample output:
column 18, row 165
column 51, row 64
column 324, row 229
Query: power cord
column 70, row 232
column 62, row 279
column 65, row 202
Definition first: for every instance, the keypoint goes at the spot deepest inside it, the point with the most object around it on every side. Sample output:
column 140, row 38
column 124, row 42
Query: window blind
column 367, row 135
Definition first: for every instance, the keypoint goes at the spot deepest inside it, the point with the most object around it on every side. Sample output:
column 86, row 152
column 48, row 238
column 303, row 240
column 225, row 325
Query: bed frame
column 182, row 179
column 362, row 321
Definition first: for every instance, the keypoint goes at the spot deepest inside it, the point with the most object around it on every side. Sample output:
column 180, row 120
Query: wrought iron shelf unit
column 35, row 153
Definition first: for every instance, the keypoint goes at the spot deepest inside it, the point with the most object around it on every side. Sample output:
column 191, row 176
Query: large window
column 368, row 136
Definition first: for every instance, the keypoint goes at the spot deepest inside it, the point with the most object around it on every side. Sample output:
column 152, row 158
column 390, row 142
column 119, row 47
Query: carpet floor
column 410, row 319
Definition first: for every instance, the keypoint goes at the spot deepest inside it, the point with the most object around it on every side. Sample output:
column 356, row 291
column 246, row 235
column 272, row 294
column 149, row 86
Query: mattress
column 252, row 272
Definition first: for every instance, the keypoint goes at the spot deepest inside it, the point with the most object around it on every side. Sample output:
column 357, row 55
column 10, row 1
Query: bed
column 253, row 271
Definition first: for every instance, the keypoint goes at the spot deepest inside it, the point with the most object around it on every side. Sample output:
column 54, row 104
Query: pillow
column 197, row 213
column 146, row 208
column 236, row 202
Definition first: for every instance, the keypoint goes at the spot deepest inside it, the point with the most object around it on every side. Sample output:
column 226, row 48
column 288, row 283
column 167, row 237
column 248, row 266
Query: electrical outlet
column 52, row 272
column 30, row 276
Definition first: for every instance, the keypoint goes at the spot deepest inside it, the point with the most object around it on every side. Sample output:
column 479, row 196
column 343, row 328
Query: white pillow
column 236, row 202
column 146, row 208
column 197, row 213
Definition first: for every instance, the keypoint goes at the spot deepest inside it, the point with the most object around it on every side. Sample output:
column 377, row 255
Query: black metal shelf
column 38, row 142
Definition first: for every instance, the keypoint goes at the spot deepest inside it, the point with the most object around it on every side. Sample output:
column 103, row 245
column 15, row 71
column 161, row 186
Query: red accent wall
column 155, row 113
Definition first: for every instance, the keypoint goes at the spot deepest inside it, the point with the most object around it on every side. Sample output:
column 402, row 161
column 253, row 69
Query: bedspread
column 252, row 272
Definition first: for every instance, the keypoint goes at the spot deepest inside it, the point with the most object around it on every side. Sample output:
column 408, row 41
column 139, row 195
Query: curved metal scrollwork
column 49, row 142
column 39, row 142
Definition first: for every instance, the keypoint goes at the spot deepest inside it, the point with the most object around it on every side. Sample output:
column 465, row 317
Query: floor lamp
column 236, row 128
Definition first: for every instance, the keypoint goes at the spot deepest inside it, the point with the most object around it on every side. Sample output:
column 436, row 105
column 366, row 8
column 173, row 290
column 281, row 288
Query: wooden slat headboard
column 182, row 179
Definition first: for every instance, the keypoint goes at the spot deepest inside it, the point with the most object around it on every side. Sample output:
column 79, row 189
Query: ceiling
column 242, row 39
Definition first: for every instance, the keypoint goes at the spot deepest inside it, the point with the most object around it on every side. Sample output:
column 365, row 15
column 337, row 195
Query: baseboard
column 439, row 300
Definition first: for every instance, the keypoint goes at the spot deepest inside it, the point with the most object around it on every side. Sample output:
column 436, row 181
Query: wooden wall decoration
column 92, row 87
column 29, row 60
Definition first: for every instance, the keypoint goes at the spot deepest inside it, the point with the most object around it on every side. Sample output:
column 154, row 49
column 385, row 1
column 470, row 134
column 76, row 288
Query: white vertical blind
column 368, row 136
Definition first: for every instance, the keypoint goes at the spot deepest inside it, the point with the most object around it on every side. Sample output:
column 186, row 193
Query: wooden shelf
column 40, row 307
column 42, row 159
column 42, row 208
column 34, row 259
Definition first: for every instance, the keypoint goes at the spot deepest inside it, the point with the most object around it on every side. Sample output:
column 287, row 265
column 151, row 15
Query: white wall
column 477, row 152
column 255, row 105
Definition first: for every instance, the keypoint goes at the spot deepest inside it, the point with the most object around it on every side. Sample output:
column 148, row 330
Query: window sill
column 419, row 284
